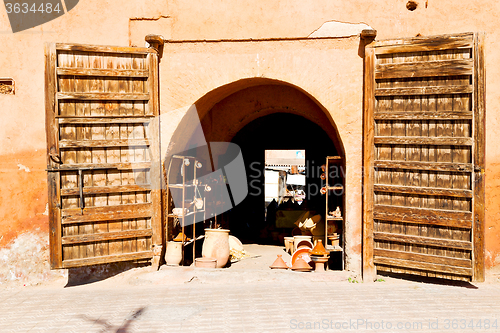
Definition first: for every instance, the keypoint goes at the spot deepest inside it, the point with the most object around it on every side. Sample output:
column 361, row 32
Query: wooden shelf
column 180, row 186
column 334, row 159
column 188, row 214
column 334, row 184
column 334, row 248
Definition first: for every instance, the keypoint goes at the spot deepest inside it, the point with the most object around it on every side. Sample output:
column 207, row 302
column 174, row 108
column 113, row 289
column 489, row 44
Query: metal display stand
column 184, row 186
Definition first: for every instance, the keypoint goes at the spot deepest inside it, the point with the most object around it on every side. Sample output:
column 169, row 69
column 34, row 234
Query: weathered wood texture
column 100, row 102
column 427, row 140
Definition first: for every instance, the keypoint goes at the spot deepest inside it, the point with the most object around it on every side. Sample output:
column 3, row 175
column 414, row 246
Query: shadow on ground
column 90, row 274
column 430, row 280
column 108, row 327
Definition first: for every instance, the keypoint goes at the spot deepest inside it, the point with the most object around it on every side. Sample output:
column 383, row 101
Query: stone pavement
column 192, row 300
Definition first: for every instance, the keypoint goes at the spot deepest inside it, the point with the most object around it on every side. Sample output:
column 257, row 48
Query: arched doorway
column 257, row 115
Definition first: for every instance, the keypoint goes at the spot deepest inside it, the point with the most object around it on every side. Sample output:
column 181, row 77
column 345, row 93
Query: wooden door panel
column 421, row 106
column 100, row 126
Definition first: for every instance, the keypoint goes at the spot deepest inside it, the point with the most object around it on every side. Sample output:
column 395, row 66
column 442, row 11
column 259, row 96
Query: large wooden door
column 424, row 157
column 103, row 154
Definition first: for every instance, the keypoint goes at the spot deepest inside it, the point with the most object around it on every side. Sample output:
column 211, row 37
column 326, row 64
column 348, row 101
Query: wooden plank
column 113, row 120
column 107, row 119
column 424, row 69
column 103, row 143
column 107, row 259
column 423, row 115
column 430, row 166
column 430, row 90
column 106, row 236
column 448, row 218
column 102, row 96
column 422, row 240
column 78, row 71
column 53, row 179
column 98, row 109
column 153, row 136
column 107, row 213
column 459, row 193
column 83, row 132
column 423, row 44
column 479, row 157
column 369, row 272
column 423, row 258
column 383, row 152
column 431, row 106
column 140, row 213
column 423, row 266
column 113, row 153
column 423, row 140
column 106, row 189
column 94, row 166
column 68, row 156
column 103, row 49
column 398, row 152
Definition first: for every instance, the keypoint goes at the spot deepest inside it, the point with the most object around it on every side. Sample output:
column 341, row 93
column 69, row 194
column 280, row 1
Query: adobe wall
column 22, row 130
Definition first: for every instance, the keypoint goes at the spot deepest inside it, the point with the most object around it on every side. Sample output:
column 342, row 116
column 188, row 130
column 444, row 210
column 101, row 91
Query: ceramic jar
column 298, row 239
column 173, row 255
column 216, row 245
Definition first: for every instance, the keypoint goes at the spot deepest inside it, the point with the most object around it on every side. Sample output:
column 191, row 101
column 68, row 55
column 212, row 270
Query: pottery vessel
column 297, row 239
column 173, row 255
column 301, row 265
column 279, row 263
column 288, row 244
column 319, row 249
column 334, row 239
column 205, row 262
column 235, row 244
column 305, row 243
column 319, row 262
column 216, row 245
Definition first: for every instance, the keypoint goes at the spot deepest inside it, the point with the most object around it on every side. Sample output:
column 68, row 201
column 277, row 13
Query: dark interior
column 276, row 131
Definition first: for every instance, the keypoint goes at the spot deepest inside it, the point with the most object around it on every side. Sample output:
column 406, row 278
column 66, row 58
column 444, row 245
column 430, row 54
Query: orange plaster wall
column 23, row 194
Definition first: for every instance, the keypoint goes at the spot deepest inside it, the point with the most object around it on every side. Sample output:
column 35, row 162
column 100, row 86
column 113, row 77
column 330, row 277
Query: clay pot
column 319, row 262
column 319, row 249
column 279, row 263
column 205, row 262
column 288, row 244
column 297, row 239
column 301, row 265
column 235, row 244
column 173, row 255
column 305, row 243
column 216, row 245
column 335, row 239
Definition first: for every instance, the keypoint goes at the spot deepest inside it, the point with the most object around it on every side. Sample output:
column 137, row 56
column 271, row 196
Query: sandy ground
column 252, row 269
